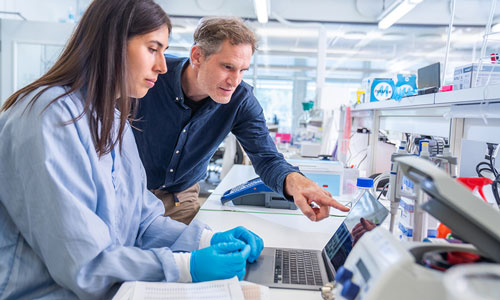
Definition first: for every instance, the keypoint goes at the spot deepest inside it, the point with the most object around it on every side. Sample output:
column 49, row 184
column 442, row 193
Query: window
column 275, row 97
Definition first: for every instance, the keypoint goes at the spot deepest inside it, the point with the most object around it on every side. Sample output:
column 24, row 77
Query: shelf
column 435, row 126
column 473, row 95
column 414, row 101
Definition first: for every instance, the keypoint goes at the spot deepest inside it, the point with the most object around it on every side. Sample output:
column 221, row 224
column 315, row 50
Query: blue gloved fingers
column 256, row 250
column 241, row 233
column 230, row 247
column 241, row 274
column 237, row 260
column 255, row 242
column 220, row 261
column 235, row 255
column 243, row 252
column 246, row 252
column 223, row 237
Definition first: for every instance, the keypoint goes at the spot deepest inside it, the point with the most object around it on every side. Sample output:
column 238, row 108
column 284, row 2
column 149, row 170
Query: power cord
column 489, row 166
column 383, row 190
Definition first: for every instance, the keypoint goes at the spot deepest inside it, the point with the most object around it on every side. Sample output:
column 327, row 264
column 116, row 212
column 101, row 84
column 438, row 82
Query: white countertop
column 277, row 227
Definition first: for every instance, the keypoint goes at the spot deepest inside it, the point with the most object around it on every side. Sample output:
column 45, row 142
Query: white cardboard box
column 468, row 76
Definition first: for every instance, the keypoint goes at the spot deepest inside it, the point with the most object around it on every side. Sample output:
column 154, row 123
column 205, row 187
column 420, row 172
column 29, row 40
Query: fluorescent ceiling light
column 183, row 29
column 286, row 32
column 495, row 27
column 262, row 8
column 395, row 12
column 463, row 38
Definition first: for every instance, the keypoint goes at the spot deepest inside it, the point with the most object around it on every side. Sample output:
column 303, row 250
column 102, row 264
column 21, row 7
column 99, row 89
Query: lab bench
column 277, row 227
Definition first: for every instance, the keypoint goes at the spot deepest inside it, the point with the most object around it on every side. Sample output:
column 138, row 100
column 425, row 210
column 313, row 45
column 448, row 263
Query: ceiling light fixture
column 495, row 27
column 262, row 8
column 396, row 11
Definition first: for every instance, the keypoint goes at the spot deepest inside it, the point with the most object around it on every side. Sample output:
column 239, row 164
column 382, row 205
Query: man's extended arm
column 269, row 164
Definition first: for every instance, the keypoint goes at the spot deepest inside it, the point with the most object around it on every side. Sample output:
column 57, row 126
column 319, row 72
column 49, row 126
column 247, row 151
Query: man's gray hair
column 213, row 31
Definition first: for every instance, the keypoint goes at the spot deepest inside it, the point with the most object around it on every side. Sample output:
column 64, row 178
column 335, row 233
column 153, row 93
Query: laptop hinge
column 330, row 272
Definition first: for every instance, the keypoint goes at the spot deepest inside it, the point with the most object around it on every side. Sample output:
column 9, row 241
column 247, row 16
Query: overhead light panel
column 262, row 9
column 495, row 27
column 395, row 12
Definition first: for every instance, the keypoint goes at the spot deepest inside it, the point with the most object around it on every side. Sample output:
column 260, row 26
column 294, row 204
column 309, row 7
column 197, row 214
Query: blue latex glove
column 220, row 261
column 240, row 233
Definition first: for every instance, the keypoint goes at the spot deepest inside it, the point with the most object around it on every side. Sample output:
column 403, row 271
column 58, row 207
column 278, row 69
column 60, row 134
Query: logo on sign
column 405, row 88
column 383, row 91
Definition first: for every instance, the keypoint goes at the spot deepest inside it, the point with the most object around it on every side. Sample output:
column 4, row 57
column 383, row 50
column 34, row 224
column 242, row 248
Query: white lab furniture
column 277, row 227
column 457, row 115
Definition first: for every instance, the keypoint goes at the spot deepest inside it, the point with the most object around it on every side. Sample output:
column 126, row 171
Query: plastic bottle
column 365, row 205
column 424, row 225
column 447, row 161
column 301, row 131
column 305, row 117
column 424, row 152
column 363, row 185
column 315, row 126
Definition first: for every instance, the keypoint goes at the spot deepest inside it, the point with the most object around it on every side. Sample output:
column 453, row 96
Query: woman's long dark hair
column 95, row 61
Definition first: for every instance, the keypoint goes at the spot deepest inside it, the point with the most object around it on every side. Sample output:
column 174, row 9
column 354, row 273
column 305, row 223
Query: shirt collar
column 177, row 88
column 179, row 95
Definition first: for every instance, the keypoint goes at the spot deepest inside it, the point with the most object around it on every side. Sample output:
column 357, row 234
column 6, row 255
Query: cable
column 383, row 190
column 483, row 169
column 492, row 164
column 362, row 160
column 380, row 177
column 489, row 166
column 494, row 187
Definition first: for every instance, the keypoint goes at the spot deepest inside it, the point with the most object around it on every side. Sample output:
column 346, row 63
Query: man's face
column 220, row 73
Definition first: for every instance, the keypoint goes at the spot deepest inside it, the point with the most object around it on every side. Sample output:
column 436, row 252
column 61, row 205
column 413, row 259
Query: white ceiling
column 356, row 48
column 467, row 12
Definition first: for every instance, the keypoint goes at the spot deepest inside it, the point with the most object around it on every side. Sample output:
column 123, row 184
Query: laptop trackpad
column 262, row 270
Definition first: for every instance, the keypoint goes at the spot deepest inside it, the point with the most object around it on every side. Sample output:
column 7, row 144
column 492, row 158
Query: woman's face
column 146, row 60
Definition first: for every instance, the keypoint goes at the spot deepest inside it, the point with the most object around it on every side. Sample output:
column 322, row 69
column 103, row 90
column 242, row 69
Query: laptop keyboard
column 297, row 267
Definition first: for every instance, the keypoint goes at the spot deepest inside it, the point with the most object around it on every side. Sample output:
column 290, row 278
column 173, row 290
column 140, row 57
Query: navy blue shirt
column 176, row 146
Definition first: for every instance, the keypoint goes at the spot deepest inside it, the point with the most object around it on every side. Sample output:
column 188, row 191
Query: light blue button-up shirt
column 73, row 224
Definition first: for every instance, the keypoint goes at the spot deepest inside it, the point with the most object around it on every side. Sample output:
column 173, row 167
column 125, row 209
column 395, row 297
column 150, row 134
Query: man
column 191, row 109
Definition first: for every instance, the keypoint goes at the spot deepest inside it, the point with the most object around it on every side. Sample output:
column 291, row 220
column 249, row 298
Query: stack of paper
column 229, row 289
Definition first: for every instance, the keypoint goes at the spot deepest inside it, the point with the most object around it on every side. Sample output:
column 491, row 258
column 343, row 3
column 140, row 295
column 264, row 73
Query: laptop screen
column 429, row 76
column 340, row 245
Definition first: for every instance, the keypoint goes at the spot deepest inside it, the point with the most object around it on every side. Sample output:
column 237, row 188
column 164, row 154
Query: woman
column 75, row 213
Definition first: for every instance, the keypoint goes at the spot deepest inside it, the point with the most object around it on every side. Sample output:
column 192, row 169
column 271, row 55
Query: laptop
column 311, row 269
column 429, row 79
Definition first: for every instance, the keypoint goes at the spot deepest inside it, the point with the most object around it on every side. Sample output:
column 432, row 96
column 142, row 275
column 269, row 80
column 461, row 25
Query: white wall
column 46, row 10
column 470, row 12
column 20, row 43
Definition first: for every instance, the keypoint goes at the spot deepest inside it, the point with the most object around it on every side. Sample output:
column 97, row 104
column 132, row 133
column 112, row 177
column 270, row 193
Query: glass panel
column 34, row 60
column 276, row 97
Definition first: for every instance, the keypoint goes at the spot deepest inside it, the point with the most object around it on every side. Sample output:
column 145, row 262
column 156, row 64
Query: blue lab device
column 255, row 192
column 381, row 89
